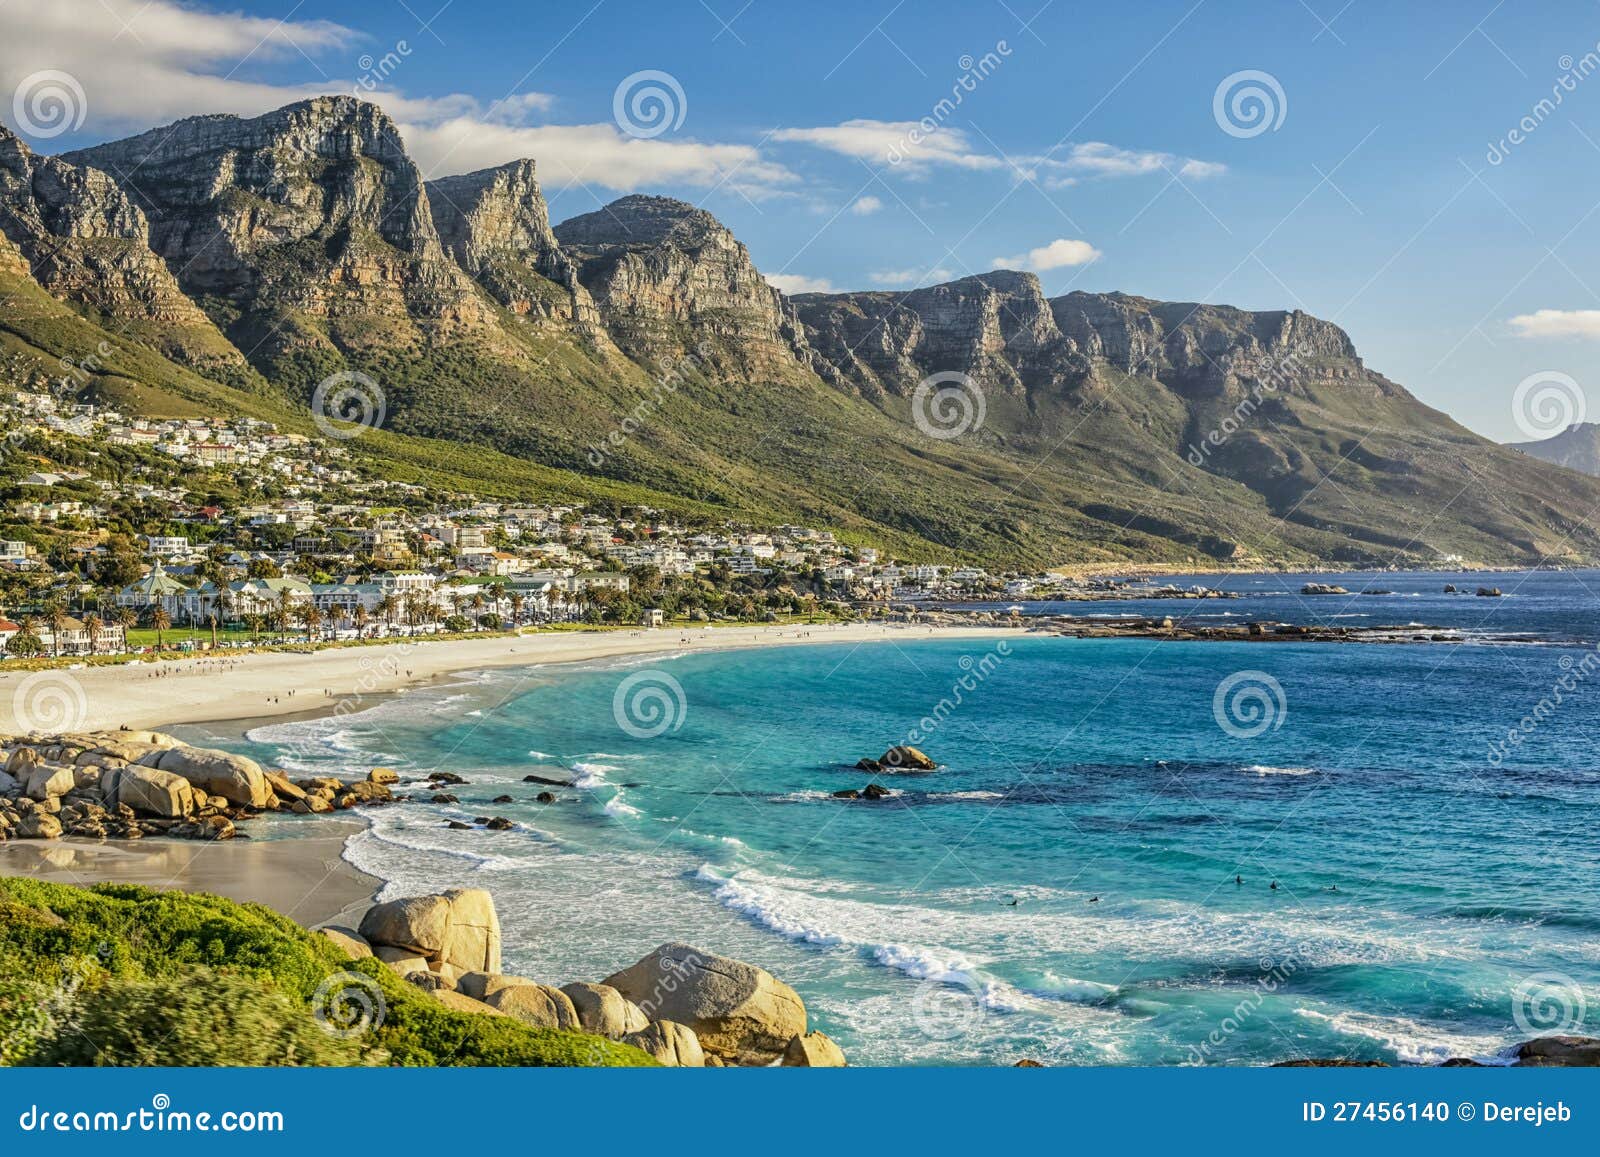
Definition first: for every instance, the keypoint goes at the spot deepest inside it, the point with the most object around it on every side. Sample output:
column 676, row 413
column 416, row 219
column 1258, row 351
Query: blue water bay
column 1087, row 877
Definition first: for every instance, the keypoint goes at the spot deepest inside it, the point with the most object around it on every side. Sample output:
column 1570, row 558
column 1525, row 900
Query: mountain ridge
column 272, row 251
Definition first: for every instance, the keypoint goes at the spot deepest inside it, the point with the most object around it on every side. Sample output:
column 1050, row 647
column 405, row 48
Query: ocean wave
column 1268, row 769
column 590, row 775
column 615, row 807
column 1411, row 1042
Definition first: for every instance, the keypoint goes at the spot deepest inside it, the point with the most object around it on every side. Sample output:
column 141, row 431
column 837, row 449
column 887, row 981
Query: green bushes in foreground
column 121, row 975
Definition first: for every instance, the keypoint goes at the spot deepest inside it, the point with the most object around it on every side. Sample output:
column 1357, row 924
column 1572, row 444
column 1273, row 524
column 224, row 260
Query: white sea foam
column 1268, row 769
column 590, row 775
column 615, row 807
column 1411, row 1042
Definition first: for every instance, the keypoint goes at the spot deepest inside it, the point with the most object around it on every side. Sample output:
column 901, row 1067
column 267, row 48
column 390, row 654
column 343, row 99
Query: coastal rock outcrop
column 236, row 778
column 813, row 1050
column 536, row 1004
column 1560, row 1050
column 147, row 789
column 605, row 1011
column 458, row 927
column 738, row 1011
column 669, row 1042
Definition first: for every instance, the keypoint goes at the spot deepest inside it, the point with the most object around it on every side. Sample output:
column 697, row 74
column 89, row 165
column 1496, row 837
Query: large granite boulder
column 604, row 1011
column 814, row 1050
column 48, row 780
column 740, row 1013
column 236, row 778
column 39, row 825
column 1559, row 1051
column 536, row 1004
column 483, row 985
column 458, row 927
column 670, row 1043
column 157, row 793
column 905, row 758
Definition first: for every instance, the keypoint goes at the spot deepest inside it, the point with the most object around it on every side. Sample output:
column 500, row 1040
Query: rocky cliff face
column 496, row 225
column 305, row 226
column 996, row 327
column 1577, row 448
column 87, row 243
column 672, row 282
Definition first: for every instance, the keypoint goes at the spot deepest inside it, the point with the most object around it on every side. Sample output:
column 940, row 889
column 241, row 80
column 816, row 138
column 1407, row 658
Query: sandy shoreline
column 241, row 685
column 304, row 878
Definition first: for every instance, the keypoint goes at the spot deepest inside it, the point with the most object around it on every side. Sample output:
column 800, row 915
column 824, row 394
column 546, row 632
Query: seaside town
column 126, row 535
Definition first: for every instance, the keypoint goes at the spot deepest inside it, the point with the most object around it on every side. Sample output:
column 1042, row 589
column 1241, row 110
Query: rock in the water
column 847, row 793
column 502, row 799
column 536, row 1004
column 874, row 791
column 813, row 1050
column 605, row 1011
column 905, row 759
column 458, row 927
column 742, row 1013
column 350, row 943
column 670, row 1043
column 384, row 775
column 545, row 797
column 1559, row 1051
column 458, row 826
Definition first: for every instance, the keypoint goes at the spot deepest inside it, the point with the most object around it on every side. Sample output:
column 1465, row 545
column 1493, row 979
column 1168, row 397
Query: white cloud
column 1058, row 253
column 910, row 276
column 865, row 206
column 1558, row 323
column 914, row 148
column 142, row 65
column 798, row 283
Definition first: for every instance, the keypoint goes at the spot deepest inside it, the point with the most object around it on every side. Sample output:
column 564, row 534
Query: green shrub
column 200, row 1018
column 126, row 956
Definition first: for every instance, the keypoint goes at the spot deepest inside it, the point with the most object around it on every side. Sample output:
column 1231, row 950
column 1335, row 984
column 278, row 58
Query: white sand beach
column 243, row 685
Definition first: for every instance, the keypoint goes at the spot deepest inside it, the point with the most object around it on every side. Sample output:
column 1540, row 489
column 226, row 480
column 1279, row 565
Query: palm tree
column 161, row 621
column 387, row 607
column 359, row 617
column 125, row 618
column 213, row 630
column 93, row 624
column 56, row 612
column 516, row 608
column 311, row 616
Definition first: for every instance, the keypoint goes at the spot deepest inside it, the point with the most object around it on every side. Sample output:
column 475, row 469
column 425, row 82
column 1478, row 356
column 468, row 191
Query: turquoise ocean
column 1087, row 878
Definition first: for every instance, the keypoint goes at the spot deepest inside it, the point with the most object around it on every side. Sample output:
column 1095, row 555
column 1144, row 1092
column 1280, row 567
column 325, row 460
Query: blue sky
column 1091, row 150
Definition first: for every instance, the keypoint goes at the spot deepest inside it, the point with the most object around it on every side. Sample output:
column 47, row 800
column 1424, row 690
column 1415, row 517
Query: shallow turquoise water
column 1064, row 886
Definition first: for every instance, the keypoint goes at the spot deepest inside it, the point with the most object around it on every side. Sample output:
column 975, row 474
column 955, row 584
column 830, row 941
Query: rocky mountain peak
column 658, row 268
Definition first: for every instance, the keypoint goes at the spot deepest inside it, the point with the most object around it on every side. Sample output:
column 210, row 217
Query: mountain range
column 229, row 265
column 1577, row 448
